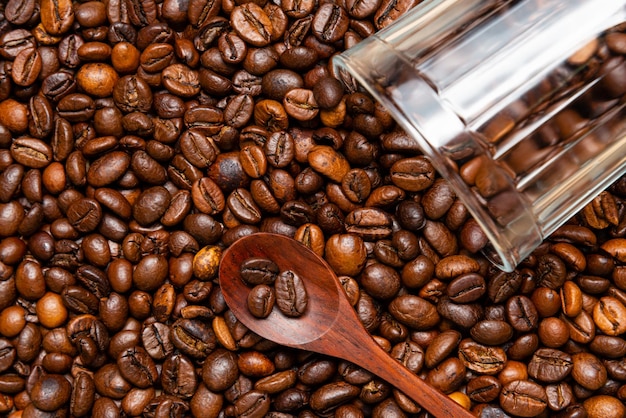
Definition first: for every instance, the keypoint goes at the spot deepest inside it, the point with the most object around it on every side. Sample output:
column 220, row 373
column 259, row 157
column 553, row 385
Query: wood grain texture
column 329, row 325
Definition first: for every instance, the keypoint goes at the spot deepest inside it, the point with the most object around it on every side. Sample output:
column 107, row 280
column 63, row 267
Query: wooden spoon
column 329, row 325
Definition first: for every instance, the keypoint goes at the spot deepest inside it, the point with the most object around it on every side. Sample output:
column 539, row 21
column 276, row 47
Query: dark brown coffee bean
column 19, row 12
column 255, row 271
column 31, row 152
column 608, row 346
column 491, row 332
column 137, row 367
column 300, row 104
column 232, row 48
column 277, row 83
column 551, row 271
column 588, row 371
column 413, row 174
column 85, row 214
column 261, row 300
column 181, row 80
column 151, row 205
column 252, row 24
column 329, row 396
column 207, row 196
column 330, row 23
column 559, row 396
column 522, row 314
column 483, row 388
column 26, row 67
column 369, row 223
column 80, row 300
column 193, row 337
column 523, row 398
column 132, row 94
column 178, row 376
column 253, row 403
column 242, row 205
column 448, row 375
column 108, row 169
column 405, row 309
column 83, row 395
column 464, row 315
column 480, row 358
column 550, row 365
column 466, row 288
column 291, row 295
column 51, row 392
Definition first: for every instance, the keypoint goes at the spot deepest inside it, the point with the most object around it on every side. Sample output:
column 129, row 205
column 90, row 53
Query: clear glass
column 519, row 104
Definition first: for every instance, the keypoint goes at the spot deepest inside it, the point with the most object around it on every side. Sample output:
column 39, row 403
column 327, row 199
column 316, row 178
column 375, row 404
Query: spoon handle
column 370, row 356
column 431, row 399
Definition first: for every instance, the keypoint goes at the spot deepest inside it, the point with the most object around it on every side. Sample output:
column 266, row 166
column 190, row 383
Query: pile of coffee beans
column 140, row 138
column 285, row 289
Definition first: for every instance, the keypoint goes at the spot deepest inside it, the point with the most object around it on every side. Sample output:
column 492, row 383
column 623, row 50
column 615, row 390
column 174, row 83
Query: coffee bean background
column 140, row 138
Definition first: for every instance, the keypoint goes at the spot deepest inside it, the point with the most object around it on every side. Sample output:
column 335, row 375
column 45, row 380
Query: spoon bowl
column 324, row 294
column 329, row 324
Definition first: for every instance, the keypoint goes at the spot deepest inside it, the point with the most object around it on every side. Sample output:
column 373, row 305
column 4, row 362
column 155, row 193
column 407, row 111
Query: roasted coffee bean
column 137, row 367
column 31, row 152
column 261, row 300
column 253, row 404
column 193, row 337
column 57, row 17
column 178, row 376
column 523, row 398
column 26, row 67
column 609, row 315
column 85, row 214
column 466, row 288
column 588, row 371
column 448, row 375
column 255, row 271
column 464, row 315
column 291, row 295
column 151, row 205
column 483, row 388
column 550, row 365
column 330, row 23
column 491, row 332
column 522, row 313
column 51, row 392
column 405, row 309
column 252, row 24
column 331, row 395
column 242, row 206
column 83, row 394
column 480, row 358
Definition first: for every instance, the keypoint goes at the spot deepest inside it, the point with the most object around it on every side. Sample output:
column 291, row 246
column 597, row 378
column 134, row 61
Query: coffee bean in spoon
column 258, row 270
column 291, row 296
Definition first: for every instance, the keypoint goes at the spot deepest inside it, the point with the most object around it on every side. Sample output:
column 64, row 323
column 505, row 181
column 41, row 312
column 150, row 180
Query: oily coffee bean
column 291, row 295
column 56, row 17
column 137, row 367
column 550, row 365
column 255, row 271
column 261, row 300
column 523, row 398
column 480, row 358
column 252, row 24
